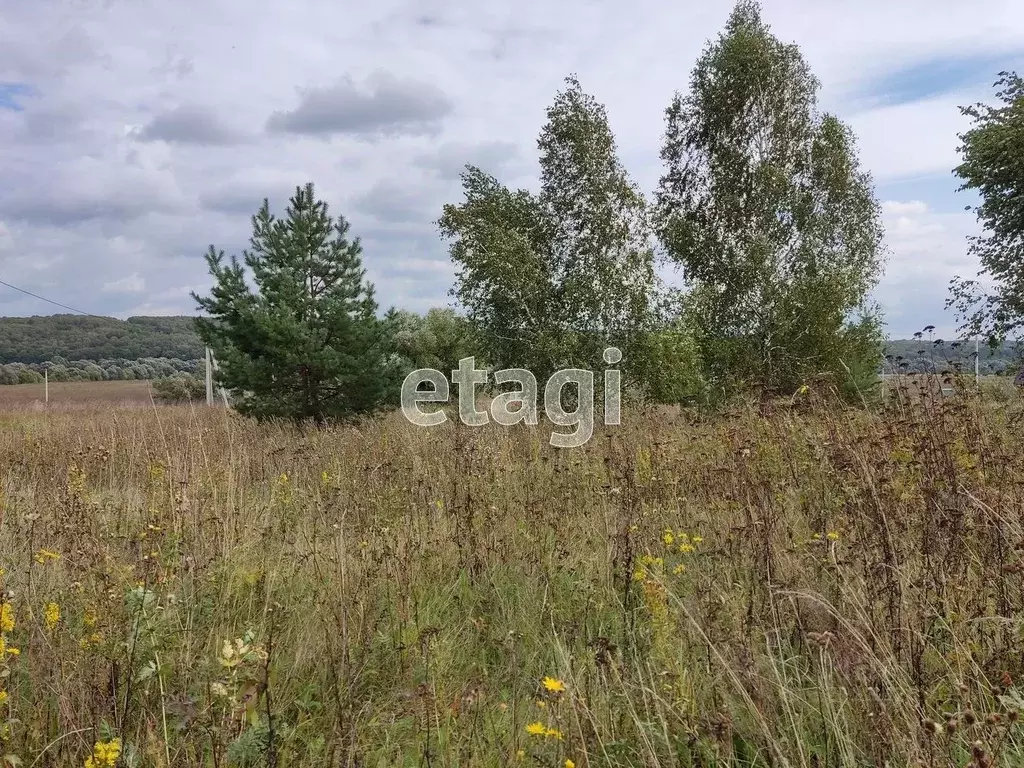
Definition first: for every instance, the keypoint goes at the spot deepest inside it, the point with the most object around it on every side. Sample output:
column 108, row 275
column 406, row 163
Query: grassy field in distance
column 75, row 394
column 798, row 584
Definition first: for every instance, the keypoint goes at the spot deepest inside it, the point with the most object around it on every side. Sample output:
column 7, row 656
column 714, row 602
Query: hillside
column 38, row 339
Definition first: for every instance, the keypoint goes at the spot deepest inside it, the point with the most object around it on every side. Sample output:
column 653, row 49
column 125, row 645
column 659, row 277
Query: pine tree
column 305, row 343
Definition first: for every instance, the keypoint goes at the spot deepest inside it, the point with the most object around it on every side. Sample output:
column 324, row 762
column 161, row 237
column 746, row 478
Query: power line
column 51, row 301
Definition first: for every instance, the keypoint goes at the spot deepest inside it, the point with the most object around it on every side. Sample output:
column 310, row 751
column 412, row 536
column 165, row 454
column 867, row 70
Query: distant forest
column 76, row 337
column 74, row 347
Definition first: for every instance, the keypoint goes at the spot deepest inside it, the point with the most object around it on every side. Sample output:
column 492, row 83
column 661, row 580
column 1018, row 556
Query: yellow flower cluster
column 539, row 729
column 680, row 541
column 7, row 650
column 104, row 754
column 648, row 563
column 44, row 556
column 6, row 618
column 51, row 616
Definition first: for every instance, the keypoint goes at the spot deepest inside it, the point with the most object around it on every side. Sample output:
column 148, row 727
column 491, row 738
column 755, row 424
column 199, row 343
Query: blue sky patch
column 935, row 77
column 938, row 191
column 9, row 93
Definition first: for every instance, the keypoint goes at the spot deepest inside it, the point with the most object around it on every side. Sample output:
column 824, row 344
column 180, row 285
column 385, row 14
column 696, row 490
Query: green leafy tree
column 436, row 340
column 764, row 207
column 305, row 343
column 550, row 279
column 993, row 164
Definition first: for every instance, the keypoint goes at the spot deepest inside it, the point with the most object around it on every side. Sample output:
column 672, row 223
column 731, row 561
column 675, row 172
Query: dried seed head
column 932, row 727
column 951, row 725
column 969, row 718
column 993, row 719
column 1012, row 716
column 977, row 750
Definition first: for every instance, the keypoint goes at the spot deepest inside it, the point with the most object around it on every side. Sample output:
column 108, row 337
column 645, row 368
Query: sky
column 135, row 134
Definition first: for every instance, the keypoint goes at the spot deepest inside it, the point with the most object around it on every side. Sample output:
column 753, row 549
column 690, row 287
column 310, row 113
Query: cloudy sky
column 133, row 134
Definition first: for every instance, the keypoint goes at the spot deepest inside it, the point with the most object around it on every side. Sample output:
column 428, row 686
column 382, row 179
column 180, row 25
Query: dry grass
column 850, row 590
column 75, row 395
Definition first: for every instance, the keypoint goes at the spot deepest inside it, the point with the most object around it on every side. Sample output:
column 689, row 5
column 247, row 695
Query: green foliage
column 993, row 164
column 672, row 366
column 74, row 337
column 306, row 344
column 764, row 207
column 549, row 280
column 436, row 340
column 181, row 388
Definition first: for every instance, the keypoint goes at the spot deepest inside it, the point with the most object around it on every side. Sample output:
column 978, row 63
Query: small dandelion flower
column 697, row 539
column 553, row 685
column 685, row 548
column 668, row 538
column 640, row 574
column 832, row 536
column 537, row 729
column 679, row 570
column 553, row 733
column 569, row 763
column 520, row 754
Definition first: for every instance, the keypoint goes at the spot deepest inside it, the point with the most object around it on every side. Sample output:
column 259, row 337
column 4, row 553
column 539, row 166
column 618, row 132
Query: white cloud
column 434, row 85
column 133, row 283
column 6, row 240
column 927, row 249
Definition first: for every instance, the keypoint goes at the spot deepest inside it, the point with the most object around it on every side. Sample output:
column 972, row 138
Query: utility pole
column 209, row 376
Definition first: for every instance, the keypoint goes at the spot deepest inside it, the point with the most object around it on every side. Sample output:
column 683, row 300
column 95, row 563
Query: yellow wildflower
column 6, row 617
column 833, row 536
column 51, row 616
column 3, row 698
column 104, row 754
column 569, row 763
column 520, row 754
column 45, row 555
column 11, row 651
column 554, row 733
column 668, row 538
column 640, row 574
column 697, row 539
column 536, row 729
column 685, row 548
column 541, row 703
column 553, row 685
column 679, row 570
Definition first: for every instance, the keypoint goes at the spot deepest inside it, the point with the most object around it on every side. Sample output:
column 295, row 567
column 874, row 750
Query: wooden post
column 209, row 376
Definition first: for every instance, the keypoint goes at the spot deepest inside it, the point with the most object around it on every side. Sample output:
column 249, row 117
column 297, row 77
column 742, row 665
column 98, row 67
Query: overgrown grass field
column 798, row 584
